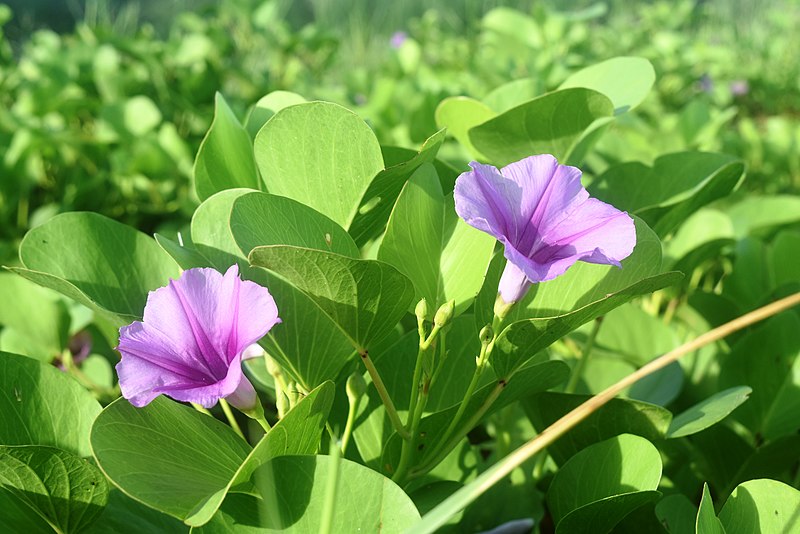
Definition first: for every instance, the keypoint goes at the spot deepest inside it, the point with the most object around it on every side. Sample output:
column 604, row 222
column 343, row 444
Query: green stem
column 348, row 427
column 415, row 393
column 231, row 419
column 583, row 359
column 380, row 387
column 200, row 409
column 410, row 444
column 440, row 363
column 329, row 504
column 264, row 423
column 481, row 363
column 445, row 447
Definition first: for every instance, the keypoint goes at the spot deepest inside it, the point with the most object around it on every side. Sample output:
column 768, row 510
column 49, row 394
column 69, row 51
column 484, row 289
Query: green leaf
column 785, row 257
column 513, row 94
column 260, row 219
column 364, row 298
column 297, row 433
column 676, row 513
column 708, row 412
column 66, row 492
column 293, row 498
column 760, row 213
column 267, row 106
column 103, row 264
column 379, row 198
column 618, row 416
column 761, row 506
column 43, row 406
column 775, row 401
column 307, row 344
column 166, row 455
column 459, row 114
column 225, row 157
column 426, row 241
column 624, row 80
column 675, row 187
column 521, row 340
column 124, row 515
column 319, row 154
column 550, row 124
column 604, row 482
column 707, row 522
column 636, row 335
column 39, row 316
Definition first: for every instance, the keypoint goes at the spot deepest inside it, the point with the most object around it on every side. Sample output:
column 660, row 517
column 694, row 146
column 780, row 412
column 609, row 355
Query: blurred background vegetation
column 103, row 104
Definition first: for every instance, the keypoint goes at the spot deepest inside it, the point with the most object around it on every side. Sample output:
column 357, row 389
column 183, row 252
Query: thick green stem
column 348, row 427
column 409, row 444
column 231, row 419
column 329, row 505
column 380, row 387
column 583, row 359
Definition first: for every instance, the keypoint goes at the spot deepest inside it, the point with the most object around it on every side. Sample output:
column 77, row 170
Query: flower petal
column 151, row 360
column 487, row 201
column 212, row 316
column 207, row 395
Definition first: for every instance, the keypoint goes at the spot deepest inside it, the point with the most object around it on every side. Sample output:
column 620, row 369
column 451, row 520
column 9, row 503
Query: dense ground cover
column 323, row 162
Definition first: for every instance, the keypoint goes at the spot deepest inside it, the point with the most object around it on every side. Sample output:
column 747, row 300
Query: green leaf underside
column 550, row 124
column 64, row 491
column 364, row 298
column 293, row 492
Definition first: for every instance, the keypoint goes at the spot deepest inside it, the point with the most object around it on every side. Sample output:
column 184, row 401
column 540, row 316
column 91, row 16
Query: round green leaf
column 267, row 106
column 364, row 298
column 624, row 80
column 101, row 263
column 550, row 124
column 459, row 114
column 319, row 154
column 64, row 491
column 620, row 466
column 761, row 506
column 43, row 406
column 166, row 455
column 294, row 488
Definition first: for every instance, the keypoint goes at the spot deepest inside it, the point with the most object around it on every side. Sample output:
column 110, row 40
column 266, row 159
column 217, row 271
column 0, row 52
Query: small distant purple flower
column 740, row 87
column 706, row 83
column 192, row 340
column 397, row 39
column 545, row 219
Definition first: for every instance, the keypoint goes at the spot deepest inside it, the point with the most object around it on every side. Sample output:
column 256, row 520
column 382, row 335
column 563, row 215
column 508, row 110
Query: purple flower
column 545, row 219
column 192, row 339
column 397, row 39
column 740, row 87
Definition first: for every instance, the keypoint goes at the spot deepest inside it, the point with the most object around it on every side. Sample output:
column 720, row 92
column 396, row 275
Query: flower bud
column 486, row 335
column 421, row 311
column 356, row 387
column 445, row 313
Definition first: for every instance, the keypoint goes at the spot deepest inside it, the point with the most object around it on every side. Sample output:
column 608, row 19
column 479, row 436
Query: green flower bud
column 445, row 313
column 356, row 387
column 486, row 335
column 421, row 311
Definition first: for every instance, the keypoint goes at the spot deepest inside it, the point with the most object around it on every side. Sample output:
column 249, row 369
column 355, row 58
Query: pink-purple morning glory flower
column 191, row 341
column 397, row 39
column 545, row 219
